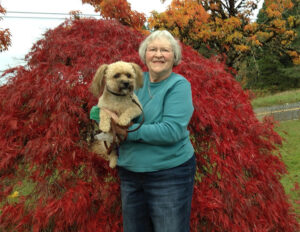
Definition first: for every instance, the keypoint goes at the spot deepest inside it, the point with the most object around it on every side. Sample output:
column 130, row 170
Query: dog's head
column 119, row 77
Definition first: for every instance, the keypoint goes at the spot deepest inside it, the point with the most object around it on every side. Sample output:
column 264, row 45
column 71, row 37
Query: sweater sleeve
column 177, row 112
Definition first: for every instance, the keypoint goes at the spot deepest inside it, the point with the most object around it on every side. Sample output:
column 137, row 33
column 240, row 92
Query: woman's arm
column 177, row 112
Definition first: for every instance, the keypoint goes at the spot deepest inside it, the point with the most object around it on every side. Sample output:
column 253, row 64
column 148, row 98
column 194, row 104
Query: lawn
column 277, row 99
column 290, row 151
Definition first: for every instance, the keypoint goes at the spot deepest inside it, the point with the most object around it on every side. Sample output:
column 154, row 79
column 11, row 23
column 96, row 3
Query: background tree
column 4, row 34
column 224, row 27
column 293, row 17
column 45, row 133
column 119, row 10
column 275, row 69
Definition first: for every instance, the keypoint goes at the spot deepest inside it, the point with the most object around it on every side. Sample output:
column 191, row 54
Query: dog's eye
column 117, row 75
column 128, row 75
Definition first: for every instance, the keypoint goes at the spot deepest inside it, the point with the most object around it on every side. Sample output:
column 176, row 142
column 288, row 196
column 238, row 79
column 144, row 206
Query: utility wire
column 42, row 13
column 47, row 13
column 24, row 17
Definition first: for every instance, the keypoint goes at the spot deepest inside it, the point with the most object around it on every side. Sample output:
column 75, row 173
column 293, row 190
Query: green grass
column 25, row 188
column 277, row 99
column 290, row 151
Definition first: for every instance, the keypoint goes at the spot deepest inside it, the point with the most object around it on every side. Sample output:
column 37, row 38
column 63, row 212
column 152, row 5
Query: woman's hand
column 112, row 114
column 119, row 130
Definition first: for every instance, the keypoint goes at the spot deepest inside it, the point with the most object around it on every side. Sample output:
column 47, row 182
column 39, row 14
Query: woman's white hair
column 158, row 35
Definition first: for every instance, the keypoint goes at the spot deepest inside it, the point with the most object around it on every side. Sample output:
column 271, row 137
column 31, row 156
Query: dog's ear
column 98, row 81
column 139, row 75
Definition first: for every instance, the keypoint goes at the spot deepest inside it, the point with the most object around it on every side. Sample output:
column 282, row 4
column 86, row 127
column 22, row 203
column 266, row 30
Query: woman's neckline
column 158, row 82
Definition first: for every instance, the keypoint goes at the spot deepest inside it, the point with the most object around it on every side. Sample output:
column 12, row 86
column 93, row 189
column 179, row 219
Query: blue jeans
column 158, row 201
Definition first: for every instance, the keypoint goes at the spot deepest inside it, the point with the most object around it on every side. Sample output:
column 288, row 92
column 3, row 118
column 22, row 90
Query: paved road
column 288, row 111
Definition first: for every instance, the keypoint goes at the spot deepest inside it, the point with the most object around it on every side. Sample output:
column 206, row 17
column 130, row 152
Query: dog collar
column 114, row 93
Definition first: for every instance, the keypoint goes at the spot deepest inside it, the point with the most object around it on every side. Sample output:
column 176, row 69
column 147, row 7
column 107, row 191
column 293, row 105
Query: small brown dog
column 115, row 83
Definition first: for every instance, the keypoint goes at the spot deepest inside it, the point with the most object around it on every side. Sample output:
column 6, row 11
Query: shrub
column 46, row 132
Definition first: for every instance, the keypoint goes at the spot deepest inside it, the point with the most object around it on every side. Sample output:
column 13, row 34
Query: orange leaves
column 4, row 40
column 291, row 21
column 252, row 27
column 295, row 57
column 273, row 13
column 242, row 48
column 293, row 53
column 254, row 42
column 235, row 36
column 275, row 8
column 229, row 30
column 280, row 5
column 279, row 24
column 263, row 36
column 211, row 24
column 185, row 15
column 119, row 10
column 4, row 34
column 290, row 35
column 296, row 60
column 226, row 28
column 2, row 10
column 198, row 22
column 215, row 6
column 229, row 24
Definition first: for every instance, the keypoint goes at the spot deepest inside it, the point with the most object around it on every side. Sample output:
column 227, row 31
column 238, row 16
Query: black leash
column 143, row 116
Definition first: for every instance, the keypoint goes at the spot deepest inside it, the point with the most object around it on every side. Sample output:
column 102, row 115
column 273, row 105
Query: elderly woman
column 156, row 163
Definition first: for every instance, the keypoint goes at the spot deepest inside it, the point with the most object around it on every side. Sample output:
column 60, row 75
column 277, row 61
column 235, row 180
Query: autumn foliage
column 4, row 34
column 45, row 132
column 224, row 27
column 119, row 10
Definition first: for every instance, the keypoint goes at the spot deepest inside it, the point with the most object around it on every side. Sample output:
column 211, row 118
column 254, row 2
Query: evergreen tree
column 275, row 70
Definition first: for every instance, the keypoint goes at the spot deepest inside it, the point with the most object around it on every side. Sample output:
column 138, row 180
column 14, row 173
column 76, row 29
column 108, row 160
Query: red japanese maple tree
column 45, row 132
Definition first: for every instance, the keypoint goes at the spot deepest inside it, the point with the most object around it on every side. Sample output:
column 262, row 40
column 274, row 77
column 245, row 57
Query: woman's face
column 160, row 58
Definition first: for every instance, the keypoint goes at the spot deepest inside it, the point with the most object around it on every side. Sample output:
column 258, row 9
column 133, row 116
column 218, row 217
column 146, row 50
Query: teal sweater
column 162, row 142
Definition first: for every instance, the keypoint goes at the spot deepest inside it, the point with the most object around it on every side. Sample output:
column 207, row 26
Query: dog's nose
column 125, row 84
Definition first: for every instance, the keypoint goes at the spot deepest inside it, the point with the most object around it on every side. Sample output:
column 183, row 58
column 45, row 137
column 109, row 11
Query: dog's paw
column 124, row 121
column 113, row 161
column 104, row 127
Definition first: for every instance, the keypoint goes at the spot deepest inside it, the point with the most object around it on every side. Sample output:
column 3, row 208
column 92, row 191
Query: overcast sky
column 27, row 28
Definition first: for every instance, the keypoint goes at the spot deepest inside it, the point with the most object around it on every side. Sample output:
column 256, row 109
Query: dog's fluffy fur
column 117, row 81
